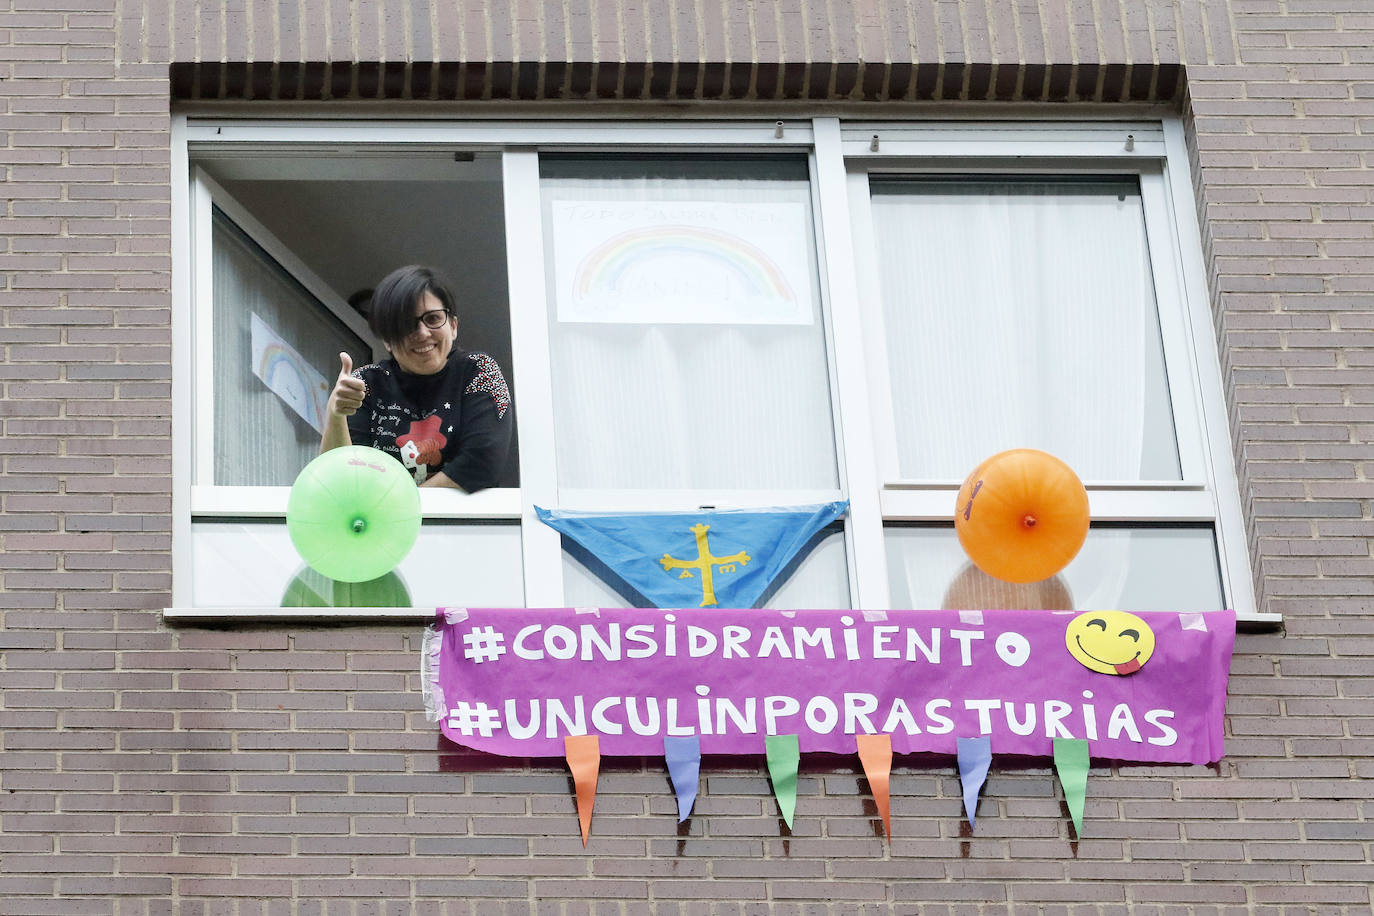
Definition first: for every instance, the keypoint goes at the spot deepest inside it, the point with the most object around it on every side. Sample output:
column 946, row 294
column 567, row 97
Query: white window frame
column 841, row 152
column 541, row 546
column 668, row 500
column 1155, row 155
column 1181, row 500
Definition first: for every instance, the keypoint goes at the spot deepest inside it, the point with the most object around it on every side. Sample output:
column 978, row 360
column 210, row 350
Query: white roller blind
column 1021, row 313
column 669, row 400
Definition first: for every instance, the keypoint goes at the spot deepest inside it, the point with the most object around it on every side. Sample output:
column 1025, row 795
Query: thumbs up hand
column 348, row 392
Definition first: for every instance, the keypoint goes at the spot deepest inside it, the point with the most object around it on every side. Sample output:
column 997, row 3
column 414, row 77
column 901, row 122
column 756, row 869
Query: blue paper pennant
column 727, row 558
column 974, row 758
column 684, row 768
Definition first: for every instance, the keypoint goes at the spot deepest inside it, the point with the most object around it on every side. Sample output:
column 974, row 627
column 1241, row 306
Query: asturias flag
column 727, row 558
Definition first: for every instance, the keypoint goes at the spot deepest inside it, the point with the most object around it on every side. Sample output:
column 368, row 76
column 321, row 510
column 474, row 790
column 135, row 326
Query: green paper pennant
column 784, row 754
column 1071, row 763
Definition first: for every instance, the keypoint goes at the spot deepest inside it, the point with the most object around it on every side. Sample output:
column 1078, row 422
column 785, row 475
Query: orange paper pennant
column 875, row 752
column 584, row 759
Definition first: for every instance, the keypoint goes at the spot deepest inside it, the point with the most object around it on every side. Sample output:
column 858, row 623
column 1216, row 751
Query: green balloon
column 310, row 589
column 353, row 514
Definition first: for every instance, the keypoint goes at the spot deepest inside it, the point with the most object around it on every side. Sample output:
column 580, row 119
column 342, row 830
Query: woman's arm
column 488, row 421
column 440, row 479
column 335, row 433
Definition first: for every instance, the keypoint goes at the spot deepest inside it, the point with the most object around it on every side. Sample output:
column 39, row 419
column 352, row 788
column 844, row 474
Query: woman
column 443, row 412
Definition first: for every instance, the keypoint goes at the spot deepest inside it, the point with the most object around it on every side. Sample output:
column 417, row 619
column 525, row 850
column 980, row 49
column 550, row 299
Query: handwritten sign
column 287, row 374
column 682, row 262
column 518, row 681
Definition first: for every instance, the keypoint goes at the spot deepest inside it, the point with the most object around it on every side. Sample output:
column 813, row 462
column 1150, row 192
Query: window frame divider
column 854, row 424
column 542, row 546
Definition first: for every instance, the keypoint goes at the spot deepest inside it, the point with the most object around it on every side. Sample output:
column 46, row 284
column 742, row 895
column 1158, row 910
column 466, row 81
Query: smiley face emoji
column 1110, row 642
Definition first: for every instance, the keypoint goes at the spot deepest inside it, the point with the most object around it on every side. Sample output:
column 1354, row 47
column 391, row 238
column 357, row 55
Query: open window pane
column 1021, row 313
column 685, row 326
column 1152, row 568
column 370, row 214
column 261, row 437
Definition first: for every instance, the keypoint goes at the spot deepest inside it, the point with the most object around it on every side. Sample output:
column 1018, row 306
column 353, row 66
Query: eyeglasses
column 434, row 319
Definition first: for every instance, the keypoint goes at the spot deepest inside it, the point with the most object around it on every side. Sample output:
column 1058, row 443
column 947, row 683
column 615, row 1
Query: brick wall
column 276, row 769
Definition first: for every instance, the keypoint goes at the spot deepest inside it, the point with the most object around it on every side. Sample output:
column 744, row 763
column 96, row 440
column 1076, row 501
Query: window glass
column 1021, row 313
column 1139, row 568
column 685, row 325
column 260, row 439
column 253, row 564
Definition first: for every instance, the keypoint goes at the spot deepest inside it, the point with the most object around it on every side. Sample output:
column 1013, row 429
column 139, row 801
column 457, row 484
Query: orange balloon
column 1022, row 515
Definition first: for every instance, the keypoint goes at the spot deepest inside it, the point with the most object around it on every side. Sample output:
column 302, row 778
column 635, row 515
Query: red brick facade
column 152, row 769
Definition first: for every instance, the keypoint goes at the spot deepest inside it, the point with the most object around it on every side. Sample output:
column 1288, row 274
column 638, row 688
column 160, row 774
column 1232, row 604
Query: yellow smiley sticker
column 1110, row 642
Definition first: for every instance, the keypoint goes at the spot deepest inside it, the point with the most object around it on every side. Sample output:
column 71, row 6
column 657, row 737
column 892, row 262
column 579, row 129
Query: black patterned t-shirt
column 458, row 420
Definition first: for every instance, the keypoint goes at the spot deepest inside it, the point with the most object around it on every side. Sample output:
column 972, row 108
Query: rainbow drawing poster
column 682, row 262
column 288, row 375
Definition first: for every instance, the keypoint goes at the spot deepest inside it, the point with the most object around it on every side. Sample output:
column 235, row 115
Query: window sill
column 313, row 615
column 1248, row 623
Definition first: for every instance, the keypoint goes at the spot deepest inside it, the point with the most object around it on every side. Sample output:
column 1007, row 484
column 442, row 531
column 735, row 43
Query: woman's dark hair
column 393, row 303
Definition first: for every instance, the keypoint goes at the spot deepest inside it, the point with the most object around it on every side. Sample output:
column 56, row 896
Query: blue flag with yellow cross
column 712, row 558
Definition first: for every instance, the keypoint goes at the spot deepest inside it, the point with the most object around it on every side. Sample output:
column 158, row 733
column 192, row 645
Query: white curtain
column 1022, row 314
column 689, row 406
column 259, row 439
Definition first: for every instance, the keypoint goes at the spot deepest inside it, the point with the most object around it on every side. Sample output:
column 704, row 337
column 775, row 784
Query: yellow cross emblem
column 704, row 562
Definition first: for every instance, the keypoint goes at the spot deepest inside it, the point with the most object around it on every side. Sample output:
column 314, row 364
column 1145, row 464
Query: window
column 1046, row 307
column 694, row 372
column 267, row 329
column 935, row 292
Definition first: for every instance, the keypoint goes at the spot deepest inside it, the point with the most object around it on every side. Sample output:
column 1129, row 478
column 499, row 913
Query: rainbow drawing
column 286, row 373
column 601, row 270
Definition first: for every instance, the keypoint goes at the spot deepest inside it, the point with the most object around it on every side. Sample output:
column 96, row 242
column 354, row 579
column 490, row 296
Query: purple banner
column 1147, row 687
